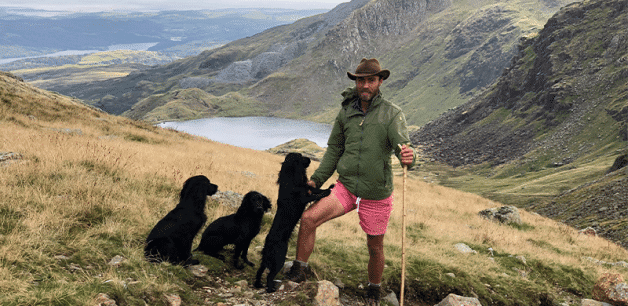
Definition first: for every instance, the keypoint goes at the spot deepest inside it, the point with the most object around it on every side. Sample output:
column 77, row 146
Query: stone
column 116, row 261
column 228, row 198
column 102, row 299
column 327, row 294
column 7, row 158
column 465, row 249
column 611, row 288
column 456, row 300
column 339, row 283
column 290, row 286
column 504, row 214
column 589, row 302
column 173, row 299
column 198, row 270
column 391, row 299
column 589, row 231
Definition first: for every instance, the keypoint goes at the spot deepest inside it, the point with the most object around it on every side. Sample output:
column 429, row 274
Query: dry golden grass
column 91, row 186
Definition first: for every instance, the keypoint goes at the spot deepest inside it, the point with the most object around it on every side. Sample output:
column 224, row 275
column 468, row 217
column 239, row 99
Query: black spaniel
column 171, row 238
column 237, row 229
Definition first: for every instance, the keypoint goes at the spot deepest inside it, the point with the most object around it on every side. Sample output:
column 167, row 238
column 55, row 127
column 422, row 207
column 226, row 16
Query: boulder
column 504, row 214
column 589, row 231
column 456, row 300
column 611, row 288
column 589, row 302
column 327, row 294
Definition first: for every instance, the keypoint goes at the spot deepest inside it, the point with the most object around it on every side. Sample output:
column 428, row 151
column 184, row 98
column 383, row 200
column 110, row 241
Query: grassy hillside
column 87, row 186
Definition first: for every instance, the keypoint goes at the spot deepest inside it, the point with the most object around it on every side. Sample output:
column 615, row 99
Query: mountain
column 81, row 189
column 551, row 134
column 441, row 52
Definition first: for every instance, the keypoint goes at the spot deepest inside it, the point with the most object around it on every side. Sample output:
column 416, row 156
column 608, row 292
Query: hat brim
column 384, row 74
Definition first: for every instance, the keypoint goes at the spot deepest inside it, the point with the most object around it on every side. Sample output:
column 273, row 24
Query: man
column 366, row 131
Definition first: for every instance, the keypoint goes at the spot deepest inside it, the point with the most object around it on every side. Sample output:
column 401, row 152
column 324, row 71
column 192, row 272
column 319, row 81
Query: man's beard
column 366, row 95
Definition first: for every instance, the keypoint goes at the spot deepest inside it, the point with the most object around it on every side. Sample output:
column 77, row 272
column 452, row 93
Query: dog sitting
column 237, row 229
column 171, row 238
column 294, row 195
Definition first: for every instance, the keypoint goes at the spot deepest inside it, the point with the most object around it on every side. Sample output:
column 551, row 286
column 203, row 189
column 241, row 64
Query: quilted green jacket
column 360, row 147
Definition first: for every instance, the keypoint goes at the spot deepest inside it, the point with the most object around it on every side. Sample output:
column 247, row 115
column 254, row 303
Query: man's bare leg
column 376, row 258
column 375, row 268
column 320, row 212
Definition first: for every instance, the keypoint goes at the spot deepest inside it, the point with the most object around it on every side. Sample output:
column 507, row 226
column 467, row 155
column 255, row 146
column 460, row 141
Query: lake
column 258, row 133
column 134, row 47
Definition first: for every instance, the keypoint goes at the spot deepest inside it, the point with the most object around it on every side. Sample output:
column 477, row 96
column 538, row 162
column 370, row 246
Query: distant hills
column 440, row 52
column 175, row 33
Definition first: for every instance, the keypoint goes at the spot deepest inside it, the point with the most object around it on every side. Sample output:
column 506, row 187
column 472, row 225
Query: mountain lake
column 133, row 47
column 258, row 133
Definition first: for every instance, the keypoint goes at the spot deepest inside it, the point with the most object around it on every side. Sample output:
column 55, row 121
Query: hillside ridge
column 557, row 110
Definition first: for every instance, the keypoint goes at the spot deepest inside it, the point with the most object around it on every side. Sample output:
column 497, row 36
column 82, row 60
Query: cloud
column 99, row 5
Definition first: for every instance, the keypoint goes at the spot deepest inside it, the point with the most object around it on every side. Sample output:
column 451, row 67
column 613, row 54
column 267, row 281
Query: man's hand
column 407, row 155
column 311, row 184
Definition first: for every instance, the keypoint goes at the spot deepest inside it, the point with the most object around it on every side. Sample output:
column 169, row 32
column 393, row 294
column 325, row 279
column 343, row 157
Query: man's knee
column 307, row 219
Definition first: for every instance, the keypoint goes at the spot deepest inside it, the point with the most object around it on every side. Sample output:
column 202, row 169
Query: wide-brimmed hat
column 368, row 67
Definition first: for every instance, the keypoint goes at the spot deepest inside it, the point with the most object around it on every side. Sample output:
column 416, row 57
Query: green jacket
column 360, row 147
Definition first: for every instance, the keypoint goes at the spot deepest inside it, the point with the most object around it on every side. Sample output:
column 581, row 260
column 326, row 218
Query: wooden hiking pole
column 403, row 233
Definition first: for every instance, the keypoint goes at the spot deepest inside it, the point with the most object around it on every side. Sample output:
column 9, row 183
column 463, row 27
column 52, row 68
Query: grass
column 76, row 200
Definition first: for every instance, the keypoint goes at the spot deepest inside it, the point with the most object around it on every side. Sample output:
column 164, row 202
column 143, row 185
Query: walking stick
column 403, row 233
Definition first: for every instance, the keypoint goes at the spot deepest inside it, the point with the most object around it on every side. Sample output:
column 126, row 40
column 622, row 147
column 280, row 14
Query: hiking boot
column 297, row 273
column 372, row 295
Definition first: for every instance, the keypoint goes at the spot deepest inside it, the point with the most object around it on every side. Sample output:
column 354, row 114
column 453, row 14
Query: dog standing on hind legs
column 171, row 238
column 294, row 195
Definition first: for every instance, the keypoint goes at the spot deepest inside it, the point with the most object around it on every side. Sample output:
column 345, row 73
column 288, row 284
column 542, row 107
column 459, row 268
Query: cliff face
column 575, row 68
column 557, row 114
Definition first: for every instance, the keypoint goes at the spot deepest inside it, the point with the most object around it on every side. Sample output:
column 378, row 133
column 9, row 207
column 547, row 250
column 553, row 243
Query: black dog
column 171, row 238
column 294, row 195
column 238, row 229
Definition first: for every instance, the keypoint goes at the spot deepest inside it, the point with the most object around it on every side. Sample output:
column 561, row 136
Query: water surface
column 259, row 133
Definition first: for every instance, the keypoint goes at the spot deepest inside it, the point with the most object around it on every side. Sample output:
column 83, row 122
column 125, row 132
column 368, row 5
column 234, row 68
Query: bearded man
column 366, row 131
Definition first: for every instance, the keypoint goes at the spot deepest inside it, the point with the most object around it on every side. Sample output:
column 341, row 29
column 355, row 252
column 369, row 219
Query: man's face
column 368, row 87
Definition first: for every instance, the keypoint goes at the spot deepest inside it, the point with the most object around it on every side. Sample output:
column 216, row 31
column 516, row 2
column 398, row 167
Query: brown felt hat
column 369, row 67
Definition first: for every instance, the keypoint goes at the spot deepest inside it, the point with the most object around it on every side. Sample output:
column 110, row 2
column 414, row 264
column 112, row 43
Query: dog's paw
column 258, row 284
column 271, row 289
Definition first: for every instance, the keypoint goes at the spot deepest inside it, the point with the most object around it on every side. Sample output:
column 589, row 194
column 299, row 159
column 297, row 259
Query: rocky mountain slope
column 81, row 189
column 440, row 52
column 559, row 110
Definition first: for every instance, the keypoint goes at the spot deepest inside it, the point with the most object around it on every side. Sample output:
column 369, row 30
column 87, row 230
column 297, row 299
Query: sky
column 153, row 5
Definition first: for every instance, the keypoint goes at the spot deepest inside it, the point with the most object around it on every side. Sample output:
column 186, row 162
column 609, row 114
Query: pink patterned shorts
column 373, row 214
